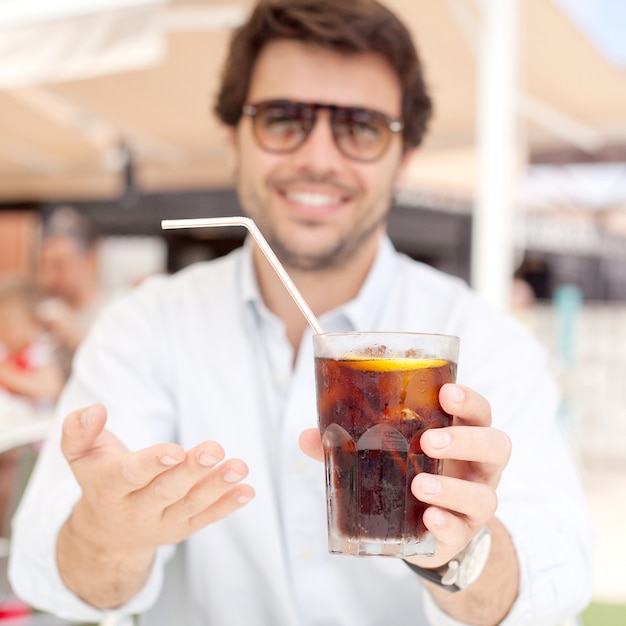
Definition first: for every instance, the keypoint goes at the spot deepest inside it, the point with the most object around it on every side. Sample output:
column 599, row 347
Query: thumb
column 311, row 444
column 81, row 428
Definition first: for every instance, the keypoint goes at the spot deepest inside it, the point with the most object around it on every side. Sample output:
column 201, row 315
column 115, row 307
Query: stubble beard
column 334, row 257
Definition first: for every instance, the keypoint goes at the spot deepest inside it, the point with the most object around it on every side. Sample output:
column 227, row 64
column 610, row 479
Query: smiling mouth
column 314, row 199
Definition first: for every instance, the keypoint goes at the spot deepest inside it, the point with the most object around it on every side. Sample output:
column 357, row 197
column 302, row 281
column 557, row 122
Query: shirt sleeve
column 138, row 401
column 543, row 507
column 540, row 498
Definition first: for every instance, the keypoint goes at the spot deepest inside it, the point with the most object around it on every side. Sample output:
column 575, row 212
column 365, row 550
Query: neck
column 323, row 290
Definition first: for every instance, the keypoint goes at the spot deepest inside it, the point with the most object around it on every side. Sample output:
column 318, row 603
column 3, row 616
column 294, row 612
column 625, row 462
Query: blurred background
column 106, row 128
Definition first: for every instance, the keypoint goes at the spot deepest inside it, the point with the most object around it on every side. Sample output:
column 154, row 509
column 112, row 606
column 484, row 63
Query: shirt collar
column 360, row 313
column 363, row 312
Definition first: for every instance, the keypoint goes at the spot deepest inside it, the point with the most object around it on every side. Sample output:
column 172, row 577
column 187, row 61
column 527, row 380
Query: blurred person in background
column 28, row 367
column 523, row 301
column 324, row 101
column 30, row 375
column 69, row 277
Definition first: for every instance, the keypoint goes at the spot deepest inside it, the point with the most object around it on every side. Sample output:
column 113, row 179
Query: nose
column 319, row 153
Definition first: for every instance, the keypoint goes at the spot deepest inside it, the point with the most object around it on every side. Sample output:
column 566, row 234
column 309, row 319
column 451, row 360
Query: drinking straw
column 246, row 222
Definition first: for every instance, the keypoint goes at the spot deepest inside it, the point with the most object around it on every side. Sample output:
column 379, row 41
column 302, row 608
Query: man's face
column 316, row 206
column 64, row 268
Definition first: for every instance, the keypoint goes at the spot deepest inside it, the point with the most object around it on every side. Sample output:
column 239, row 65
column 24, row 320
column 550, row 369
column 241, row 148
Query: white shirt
column 198, row 356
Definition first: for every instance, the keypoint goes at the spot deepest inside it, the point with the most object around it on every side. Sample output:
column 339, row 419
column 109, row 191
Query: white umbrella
column 61, row 130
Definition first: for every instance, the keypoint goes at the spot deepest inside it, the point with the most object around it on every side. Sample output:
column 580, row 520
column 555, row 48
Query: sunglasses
column 282, row 126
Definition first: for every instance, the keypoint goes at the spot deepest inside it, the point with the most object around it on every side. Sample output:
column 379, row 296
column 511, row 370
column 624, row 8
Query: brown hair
column 344, row 26
column 65, row 221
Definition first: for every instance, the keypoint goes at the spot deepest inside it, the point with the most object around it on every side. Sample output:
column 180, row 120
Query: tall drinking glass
column 376, row 395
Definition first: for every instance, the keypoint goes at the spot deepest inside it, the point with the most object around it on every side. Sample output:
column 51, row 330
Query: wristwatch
column 464, row 569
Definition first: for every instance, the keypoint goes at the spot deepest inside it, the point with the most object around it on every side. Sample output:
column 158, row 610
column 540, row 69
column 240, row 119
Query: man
column 28, row 367
column 69, row 276
column 30, row 377
column 325, row 101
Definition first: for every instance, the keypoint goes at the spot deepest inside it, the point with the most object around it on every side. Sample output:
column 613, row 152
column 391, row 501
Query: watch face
column 474, row 559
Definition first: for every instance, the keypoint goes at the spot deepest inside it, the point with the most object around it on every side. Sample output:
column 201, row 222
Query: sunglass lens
column 360, row 134
column 283, row 126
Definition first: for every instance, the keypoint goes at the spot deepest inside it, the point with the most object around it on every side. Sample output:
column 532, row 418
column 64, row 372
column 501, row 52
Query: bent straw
column 246, row 222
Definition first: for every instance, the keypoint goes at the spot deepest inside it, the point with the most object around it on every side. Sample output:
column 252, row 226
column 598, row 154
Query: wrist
column 100, row 573
column 84, row 530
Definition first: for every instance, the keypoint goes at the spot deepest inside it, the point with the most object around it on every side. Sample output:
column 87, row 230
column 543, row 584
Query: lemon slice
column 393, row 365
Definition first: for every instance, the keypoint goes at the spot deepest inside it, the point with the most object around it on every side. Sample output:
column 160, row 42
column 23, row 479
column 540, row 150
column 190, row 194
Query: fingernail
column 455, row 394
column 439, row 439
column 206, row 460
column 168, row 460
column 243, row 499
column 230, row 476
column 430, row 485
column 87, row 417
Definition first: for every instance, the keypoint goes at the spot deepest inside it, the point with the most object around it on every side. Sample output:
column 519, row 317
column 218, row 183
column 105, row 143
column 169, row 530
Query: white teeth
column 313, row 199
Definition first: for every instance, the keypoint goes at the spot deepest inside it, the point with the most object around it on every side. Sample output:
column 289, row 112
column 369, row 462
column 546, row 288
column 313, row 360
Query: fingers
column 138, row 469
column 471, row 438
column 459, row 509
column 230, row 502
column 311, row 444
column 215, row 497
column 467, row 405
column 476, row 502
column 80, row 431
column 199, row 482
column 468, row 443
column 199, row 463
column 451, row 532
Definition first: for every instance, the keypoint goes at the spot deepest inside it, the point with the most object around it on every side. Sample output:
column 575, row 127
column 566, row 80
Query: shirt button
column 300, row 464
column 279, row 378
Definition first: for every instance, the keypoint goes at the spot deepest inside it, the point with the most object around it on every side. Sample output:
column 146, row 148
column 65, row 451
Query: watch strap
column 439, row 576
column 454, row 576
